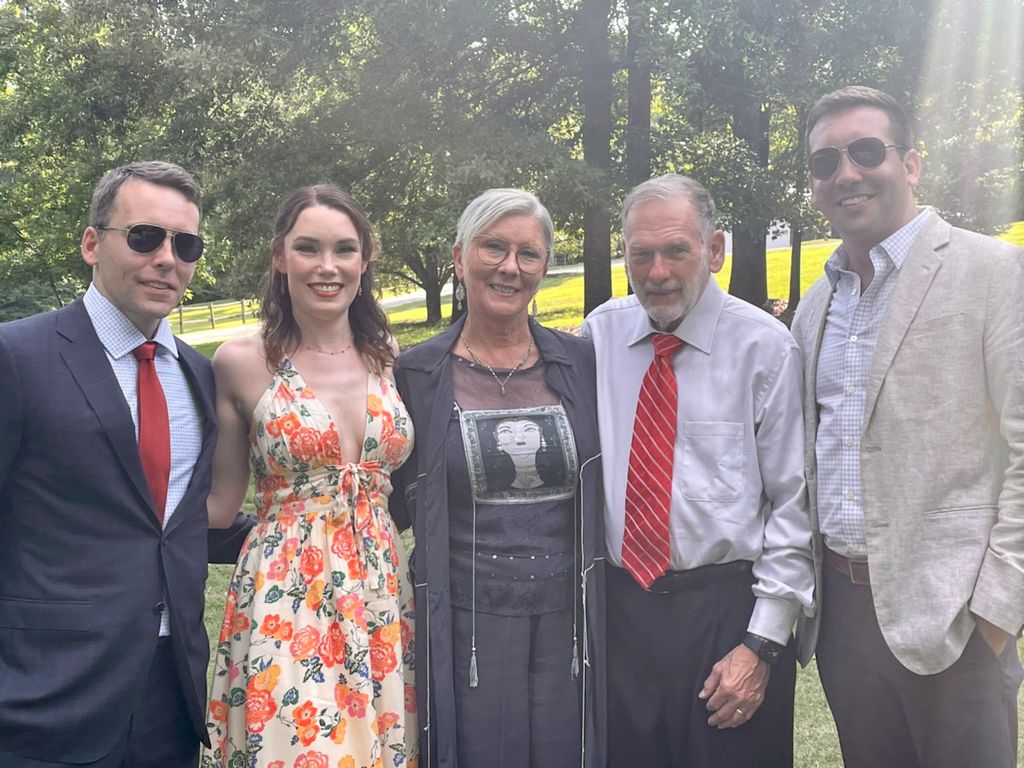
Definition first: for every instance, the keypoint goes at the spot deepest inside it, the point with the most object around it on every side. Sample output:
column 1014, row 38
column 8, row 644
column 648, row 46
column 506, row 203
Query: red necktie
column 154, row 429
column 645, row 547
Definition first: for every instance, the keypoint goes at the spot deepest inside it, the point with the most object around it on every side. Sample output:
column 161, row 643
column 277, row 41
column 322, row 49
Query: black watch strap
column 766, row 650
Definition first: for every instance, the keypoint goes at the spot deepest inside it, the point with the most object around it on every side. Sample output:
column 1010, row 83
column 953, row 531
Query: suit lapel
column 912, row 284
column 87, row 360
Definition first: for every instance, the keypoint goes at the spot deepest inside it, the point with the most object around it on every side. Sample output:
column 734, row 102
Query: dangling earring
column 534, row 308
column 360, row 291
column 460, row 296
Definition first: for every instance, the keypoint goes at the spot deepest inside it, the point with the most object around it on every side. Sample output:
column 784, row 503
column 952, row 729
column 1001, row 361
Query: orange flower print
column 329, row 447
column 289, row 423
column 315, row 595
column 290, row 547
column 305, row 712
column 311, row 563
column 304, row 444
column 276, row 764
column 395, row 448
column 304, row 643
column 218, row 711
column 277, row 569
column 229, row 617
column 338, row 731
column 273, row 428
column 270, row 625
column 352, row 608
column 259, row 708
column 347, row 762
column 390, row 633
column 343, row 544
column 351, row 701
column 356, row 568
column 382, row 656
column 386, row 722
column 410, row 699
column 293, row 508
column 391, row 583
column 311, row 759
column 266, row 679
column 307, row 733
column 258, row 581
column 373, row 404
column 406, row 634
column 332, row 646
column 239, row 624
column 285, row 633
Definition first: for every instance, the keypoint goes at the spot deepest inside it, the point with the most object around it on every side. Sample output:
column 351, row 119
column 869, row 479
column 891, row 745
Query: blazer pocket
column 52, row 615
column 713, row 460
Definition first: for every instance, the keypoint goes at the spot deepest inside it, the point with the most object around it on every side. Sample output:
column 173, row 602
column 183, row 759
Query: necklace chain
column 511, row 373
column 341, row 351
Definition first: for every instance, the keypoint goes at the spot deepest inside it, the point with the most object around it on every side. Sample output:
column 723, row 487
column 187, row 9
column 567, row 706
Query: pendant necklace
column 511, row 373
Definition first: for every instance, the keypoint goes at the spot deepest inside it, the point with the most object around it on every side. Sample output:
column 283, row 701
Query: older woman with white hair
column 509, row 591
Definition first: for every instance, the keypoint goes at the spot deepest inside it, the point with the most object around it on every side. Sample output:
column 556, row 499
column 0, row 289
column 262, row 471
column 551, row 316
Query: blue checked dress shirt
column 847, row 347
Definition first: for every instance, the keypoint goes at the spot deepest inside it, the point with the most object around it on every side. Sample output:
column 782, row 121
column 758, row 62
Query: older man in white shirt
column 699, row 406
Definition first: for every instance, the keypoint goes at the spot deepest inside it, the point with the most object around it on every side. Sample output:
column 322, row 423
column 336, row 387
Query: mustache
column 664, row 285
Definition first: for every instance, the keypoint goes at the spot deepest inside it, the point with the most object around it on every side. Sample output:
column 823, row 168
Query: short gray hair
column 669, row 187
column 104, row 195
column 493, row 204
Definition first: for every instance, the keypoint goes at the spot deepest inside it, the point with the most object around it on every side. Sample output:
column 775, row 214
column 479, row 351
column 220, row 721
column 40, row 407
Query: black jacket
column 424, row 377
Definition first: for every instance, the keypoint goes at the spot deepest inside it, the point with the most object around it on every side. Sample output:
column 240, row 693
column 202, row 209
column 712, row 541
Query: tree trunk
column 638, row 95
column 432, row 293
column 596, row 101
column 796, row 239
column 749, row 279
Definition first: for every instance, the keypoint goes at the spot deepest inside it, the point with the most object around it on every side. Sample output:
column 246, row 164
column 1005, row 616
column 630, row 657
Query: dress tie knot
column 666, row 344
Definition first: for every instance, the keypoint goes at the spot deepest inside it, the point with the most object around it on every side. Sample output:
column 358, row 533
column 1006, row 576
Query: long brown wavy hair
column 371, row 333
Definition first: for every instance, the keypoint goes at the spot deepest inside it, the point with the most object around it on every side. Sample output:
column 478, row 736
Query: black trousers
column 159, row 735
column 661, row 648
column 525, row 712
column 889, row 717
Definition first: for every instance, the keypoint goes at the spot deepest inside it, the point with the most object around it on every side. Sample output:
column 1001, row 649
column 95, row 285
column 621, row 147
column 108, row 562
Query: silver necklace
column 341, row 351
column 511, row 373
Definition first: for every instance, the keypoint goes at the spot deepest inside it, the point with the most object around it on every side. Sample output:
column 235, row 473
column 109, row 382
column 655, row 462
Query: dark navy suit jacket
column 85, row 569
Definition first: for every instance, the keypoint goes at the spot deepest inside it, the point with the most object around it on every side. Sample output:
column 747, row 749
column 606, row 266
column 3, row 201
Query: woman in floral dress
column 314, row 665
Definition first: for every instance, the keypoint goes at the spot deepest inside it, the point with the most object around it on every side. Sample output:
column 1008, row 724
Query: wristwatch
column 766, row 650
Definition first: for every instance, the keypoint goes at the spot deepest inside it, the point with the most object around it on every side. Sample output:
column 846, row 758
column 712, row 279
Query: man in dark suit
column 103, row 549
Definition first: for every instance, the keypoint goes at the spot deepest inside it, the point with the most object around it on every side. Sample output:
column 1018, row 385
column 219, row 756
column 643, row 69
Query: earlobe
column 716, row 251
column 912, row 166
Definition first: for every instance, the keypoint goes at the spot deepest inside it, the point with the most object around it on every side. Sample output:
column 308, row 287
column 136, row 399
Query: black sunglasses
column 867, row 153
column 146, row 238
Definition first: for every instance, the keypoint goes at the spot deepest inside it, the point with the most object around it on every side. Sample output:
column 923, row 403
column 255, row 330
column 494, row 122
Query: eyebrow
column 311, row 239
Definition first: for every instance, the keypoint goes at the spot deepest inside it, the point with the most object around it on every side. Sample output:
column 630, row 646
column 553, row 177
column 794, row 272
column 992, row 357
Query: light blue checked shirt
column 847, row 347
column 119, row 337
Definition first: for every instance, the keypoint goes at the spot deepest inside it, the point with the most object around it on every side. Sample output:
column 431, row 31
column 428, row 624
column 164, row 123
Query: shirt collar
column 894, row 248
column 698, row 327
column 116, row 332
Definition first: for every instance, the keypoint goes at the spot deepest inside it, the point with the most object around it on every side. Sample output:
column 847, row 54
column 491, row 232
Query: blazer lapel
column 87, row 360
column 912, row 284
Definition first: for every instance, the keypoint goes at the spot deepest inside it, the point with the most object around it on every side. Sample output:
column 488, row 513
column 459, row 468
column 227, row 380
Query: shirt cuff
column 773, row 619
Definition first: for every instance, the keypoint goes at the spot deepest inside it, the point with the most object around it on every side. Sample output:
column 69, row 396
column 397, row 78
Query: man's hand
column 735, row 688
column 995, row 637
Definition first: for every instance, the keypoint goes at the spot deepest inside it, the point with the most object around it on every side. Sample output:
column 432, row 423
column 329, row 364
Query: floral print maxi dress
column 314, row 665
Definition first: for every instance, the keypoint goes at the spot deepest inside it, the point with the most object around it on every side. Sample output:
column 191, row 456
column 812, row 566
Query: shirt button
column 853, row 337
column 849, row 389
column 849, row 441
column 849, row 495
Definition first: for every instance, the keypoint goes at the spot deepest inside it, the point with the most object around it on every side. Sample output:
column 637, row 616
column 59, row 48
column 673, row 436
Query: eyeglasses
column 146, row 238
column 867, row 153
column 493, row 251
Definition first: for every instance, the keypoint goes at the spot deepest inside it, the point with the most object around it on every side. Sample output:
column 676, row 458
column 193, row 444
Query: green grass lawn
column 560, row 304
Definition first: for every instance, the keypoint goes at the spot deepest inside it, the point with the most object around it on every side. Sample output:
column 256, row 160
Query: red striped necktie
column 645, row 546
column 154, row 428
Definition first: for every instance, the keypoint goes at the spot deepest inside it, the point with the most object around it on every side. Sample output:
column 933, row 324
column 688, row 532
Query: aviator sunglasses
column 146, row 238
column 867, row 153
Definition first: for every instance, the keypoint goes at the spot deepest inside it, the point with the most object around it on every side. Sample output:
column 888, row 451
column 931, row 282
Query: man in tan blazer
column 913, row 346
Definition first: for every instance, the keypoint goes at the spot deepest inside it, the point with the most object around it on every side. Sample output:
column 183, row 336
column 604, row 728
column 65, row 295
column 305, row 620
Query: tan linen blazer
column 942, row 445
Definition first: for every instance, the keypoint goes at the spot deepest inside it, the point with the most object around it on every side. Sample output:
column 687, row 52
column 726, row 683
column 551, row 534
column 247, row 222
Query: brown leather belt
column 855, row 570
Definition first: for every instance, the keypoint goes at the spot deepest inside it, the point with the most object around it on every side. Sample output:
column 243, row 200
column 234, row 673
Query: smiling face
column 322, row 260
column 865, row 205
column 144, row 286
column 502, row 291
column 668, row 265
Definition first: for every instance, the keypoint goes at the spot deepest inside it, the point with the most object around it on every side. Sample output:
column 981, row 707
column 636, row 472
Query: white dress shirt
column 119, row 337
column 738, row 490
